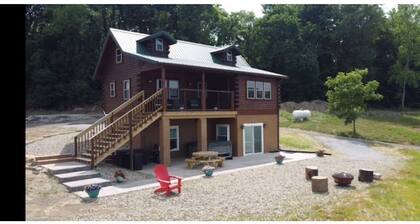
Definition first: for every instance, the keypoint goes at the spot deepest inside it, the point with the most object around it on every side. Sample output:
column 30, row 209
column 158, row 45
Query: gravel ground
column 107, row 171
column 59, row 144
column 264, row 194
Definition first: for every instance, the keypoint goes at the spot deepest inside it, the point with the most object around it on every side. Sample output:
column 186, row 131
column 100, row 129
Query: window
column 267, row 90
column 173, row 89
column 126, row 89
column 222, row 132
column 174, row 138
column 118, row 56
column 112, row 89
column 159, row 44
column 229, row 56
column 259, row 87
column 250, row 86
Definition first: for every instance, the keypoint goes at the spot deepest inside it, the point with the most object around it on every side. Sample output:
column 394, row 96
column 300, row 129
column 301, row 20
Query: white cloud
column 247, row 6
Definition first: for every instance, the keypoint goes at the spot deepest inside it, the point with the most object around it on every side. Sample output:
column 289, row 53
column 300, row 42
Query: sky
column 257, row 8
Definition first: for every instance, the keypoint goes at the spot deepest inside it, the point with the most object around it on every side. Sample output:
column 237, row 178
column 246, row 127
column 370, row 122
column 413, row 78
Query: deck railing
column 190, row 100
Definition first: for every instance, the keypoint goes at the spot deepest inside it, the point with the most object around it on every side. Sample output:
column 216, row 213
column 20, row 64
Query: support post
column 130, row 122
column 203, row 91
column 75, row 146
column 202, row 134
column 164, row 87
column 165, row 152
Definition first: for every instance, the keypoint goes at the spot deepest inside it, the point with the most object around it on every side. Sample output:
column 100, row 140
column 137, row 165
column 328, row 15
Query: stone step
column 79, row 185
column 79, row 175
column 65, row 167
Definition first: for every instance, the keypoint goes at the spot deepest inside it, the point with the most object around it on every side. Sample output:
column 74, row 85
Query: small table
column 205, row 155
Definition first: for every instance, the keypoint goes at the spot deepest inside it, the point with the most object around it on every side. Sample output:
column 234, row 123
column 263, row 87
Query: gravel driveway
column 265, row 193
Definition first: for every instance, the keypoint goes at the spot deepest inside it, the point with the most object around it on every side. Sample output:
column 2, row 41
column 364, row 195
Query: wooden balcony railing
column 190, row 100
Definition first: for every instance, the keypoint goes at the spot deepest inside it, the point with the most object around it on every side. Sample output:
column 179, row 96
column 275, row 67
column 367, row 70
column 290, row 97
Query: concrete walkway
column 178, row 168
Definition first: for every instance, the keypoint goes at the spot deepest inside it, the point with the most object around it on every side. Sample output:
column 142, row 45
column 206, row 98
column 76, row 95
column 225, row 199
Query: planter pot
column 208, row 173
column 93, row 194
column 320, row 153
column 343, row 178
column 279, row 159
column 119, row 179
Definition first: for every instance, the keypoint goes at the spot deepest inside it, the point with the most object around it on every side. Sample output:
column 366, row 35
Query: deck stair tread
column 78, row 175
column 79, row 185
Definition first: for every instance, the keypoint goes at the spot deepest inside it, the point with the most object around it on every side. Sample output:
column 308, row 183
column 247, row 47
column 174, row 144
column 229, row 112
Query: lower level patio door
column 253, row 138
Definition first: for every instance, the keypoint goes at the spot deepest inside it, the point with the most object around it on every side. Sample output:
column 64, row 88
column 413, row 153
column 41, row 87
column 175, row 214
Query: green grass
column 298, row 141
column 377, row 125
column 393, row 199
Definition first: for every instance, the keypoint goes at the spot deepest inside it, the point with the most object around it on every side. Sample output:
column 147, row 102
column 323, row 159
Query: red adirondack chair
column 164, row 179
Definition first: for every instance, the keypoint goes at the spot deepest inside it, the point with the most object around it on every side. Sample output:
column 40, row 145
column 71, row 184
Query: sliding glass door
column 253, row 138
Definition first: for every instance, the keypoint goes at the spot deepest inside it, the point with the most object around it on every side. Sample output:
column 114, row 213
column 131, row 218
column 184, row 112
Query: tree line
column 306, row 42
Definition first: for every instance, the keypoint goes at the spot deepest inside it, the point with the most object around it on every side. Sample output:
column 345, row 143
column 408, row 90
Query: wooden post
column 202, row 134
column 319, row 184
column 165, row 152
column 232, row 100
column 130, row 122
column 203, row 91
column 365, row 175
column 75, row 146
column 164, row 91
column 310, row 171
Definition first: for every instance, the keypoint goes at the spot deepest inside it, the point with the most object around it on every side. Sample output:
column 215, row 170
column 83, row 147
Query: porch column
column 164, row 93
column 203, row 91
column 165, row 152
column 202, row 134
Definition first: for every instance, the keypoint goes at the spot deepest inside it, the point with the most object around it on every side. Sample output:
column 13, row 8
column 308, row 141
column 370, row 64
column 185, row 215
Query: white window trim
column 262, row 138
column 256, row 91
column 247, row 95
column 112, row 89
column 128, row 89
column 227, row 127
column 156, row 44
column 271, row 92
column 177, row 137
column 229, row 56
column 118, row 56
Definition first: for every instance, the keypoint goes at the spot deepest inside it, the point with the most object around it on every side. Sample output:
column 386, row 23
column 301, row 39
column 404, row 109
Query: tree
column 347, row 95
column 405, row 23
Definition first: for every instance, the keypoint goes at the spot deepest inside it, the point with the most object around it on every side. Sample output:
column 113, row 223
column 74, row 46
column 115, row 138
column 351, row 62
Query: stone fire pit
column 343, row 178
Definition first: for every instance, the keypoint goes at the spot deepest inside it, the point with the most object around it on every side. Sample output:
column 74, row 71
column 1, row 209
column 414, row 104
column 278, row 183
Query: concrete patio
column 178, row 168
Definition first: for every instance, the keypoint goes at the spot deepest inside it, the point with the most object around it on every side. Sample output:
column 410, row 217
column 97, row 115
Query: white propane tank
column 301, row 115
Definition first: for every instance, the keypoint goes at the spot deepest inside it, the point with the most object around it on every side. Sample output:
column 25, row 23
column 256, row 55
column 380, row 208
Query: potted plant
column 279, row 158
column 208, row 170
column 119, row 176
column 93, row 190
column 320, row 153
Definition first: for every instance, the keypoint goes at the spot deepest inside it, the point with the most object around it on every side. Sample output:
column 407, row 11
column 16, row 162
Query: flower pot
column 93, row 194
column 119, row 179
column 320, row 153
column 208, row 173
column 279, row 159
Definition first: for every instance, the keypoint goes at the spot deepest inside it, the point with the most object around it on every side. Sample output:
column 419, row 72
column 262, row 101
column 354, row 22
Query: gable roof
column 159, row 34
column 182, row 53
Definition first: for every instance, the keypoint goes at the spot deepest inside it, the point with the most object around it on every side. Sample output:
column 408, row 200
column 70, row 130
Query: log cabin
column 160, row 93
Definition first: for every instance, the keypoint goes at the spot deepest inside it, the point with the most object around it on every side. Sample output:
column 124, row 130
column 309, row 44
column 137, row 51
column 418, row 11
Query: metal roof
column 184, row 53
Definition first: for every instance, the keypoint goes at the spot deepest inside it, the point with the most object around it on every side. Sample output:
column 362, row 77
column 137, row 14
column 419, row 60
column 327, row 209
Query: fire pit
column 342, row 178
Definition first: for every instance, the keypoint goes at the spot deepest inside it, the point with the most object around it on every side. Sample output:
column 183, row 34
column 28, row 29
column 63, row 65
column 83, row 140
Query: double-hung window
column 126, row 89
column 229, row 56
column 112, row 89
column 118, row 56
column 222, row 132
column 259, row 87
column 250, row 86
column 267, row 90
column 159, row 44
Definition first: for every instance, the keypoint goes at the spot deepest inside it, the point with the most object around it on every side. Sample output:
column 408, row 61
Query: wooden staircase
column 111, row 132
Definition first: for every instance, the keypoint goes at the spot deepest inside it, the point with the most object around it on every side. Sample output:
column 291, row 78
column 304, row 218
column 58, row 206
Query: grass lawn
column 393, row 199
column 294, row 140
column 383, row 126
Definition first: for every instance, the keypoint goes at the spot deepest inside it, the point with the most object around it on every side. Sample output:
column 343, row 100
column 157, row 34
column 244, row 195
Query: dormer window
column 229, row 56
column 118, row 56
column 159, row 44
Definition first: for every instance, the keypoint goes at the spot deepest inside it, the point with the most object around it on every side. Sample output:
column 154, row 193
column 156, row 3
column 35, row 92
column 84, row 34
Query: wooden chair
column 164, row 179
